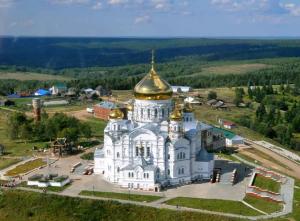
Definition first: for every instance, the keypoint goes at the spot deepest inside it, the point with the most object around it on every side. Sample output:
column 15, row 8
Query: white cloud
column 117, row 2
column 6, row 3
column 142, row 19
column 292, row 8
column 162, row 4
column 97, row 6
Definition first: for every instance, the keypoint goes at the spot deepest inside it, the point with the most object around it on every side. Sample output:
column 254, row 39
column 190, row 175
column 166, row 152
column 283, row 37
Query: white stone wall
column 147, row 111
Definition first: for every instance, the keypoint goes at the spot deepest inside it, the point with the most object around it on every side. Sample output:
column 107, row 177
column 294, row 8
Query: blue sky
column 143, row 18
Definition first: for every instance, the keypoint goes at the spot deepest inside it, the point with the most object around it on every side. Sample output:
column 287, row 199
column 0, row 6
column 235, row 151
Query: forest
column 119, row 63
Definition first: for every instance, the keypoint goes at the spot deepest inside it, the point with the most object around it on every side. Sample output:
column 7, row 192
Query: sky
column 150, row 18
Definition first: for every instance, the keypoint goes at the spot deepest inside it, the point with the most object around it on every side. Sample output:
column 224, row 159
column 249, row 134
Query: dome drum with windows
column 152, row 87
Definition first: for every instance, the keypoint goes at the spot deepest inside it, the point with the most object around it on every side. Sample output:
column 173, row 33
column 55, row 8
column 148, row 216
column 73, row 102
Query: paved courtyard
column 222, row 190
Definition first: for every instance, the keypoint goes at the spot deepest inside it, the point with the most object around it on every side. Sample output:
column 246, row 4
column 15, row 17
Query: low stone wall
column 262, row 193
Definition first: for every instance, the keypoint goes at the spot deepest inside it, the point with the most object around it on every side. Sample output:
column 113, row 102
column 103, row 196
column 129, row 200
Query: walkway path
column 294, row 167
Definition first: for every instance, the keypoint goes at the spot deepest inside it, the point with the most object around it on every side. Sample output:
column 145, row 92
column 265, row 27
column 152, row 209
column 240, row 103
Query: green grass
column 24, row 206
column 122, row 196
column 25, row 76
column 263, row 205
column 295, row 215
column 266, row 183
column 49, row 188
column 225, row 206
column 6, row 162
column 97, row 127
column 87, row 156
column 26, row 167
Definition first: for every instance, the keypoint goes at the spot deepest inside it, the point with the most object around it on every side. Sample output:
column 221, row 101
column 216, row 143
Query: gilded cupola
column 116, row 114
column 176, row 115
column 129, row 107
column 152, row 87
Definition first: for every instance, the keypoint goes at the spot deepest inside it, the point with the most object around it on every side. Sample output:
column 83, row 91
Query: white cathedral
column 156, row 145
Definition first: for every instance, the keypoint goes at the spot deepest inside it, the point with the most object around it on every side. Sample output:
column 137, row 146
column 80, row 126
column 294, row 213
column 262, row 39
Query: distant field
column 232, row 69
column 25, row 76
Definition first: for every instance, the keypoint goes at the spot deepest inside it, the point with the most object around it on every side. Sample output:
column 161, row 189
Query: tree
column 261, row 112
column 212, row 95
column 86, row 130
column 296, row 124
column 15, row 121
column 239, row 93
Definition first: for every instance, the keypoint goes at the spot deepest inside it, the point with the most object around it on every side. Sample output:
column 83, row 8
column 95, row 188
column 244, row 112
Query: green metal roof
column 227, row 134
column 60, row 85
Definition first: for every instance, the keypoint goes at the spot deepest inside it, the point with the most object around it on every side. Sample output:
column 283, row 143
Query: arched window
column 144, row 175
column 118, row 154
column 178, row 157
column 142, row 151
column 183, row 155
column 168, row 171
column 118, row 169
column 114, row 127
column 147, row 175
column 129, row 174
column 155, row 113
column 136, row 151
column 163, row 112
column 168, row 156
column 132, row 175
column 179, row 171
column 119, row 127
column 148, row 151
column 148, row 113
column 182, row 170
column 142, row 112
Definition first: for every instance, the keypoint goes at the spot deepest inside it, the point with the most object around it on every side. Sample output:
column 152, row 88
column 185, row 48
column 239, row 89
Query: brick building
column 102, row 110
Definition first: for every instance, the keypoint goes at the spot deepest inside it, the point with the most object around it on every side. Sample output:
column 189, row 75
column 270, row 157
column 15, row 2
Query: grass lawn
column 25, row 205
column 295, row 215
column 49, row 188
column 217, row 205
column 24, row 168
column 97, row 127
column 266, row 183
column 6, row 162
column 25, row 76
column 122, row 196
column 263, row 205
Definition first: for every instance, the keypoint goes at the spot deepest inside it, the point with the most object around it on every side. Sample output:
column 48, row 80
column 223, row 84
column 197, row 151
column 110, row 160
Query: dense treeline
column 49, row 128
column 185, row 71
column 278, row 113
column 58, row 53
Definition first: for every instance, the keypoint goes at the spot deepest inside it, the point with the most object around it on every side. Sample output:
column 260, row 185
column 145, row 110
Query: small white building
column 192, row 100
column 231, row 139
column 181, row 89
column 234, row 141
column 58, row 89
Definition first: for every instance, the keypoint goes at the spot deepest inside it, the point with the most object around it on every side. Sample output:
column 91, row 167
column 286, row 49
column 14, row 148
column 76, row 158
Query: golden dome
column 129, row 107
column 152, row 87
column 176, row 115
column 188, row 108
column 116, row 114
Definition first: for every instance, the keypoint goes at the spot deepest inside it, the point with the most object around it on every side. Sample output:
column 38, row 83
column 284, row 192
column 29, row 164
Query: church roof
column 204, row 156
column 152, row 87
